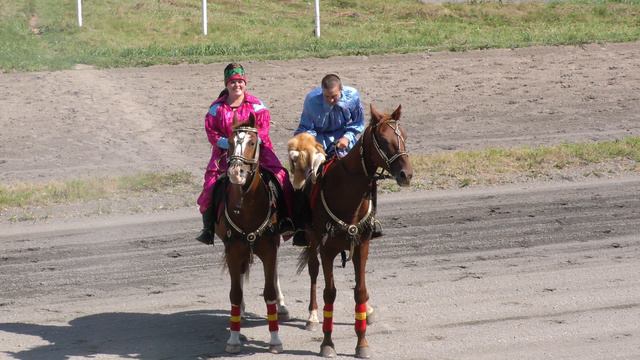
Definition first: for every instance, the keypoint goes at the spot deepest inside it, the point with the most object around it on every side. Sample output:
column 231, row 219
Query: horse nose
column 404, row 178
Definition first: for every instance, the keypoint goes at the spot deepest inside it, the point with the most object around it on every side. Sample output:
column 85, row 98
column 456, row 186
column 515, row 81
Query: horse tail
column 303, row 259
column 225, row 264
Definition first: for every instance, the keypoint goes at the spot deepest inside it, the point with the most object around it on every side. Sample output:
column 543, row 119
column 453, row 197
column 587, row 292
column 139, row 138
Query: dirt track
column 536, row 271
column 96, row 122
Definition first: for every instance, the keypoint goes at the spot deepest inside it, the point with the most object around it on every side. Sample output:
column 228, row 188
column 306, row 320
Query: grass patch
column 23, row 195
column 498, row 166
column 43, row 34
column 440, row 170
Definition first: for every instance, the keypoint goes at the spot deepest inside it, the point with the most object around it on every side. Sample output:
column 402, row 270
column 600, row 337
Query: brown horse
column 248, row 227
column 342, row 218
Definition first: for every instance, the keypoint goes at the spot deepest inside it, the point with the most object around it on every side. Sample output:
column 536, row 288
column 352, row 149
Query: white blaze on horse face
column 239, row 172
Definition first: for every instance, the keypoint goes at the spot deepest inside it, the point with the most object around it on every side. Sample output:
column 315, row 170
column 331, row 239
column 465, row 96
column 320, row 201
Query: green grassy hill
column 44, row 34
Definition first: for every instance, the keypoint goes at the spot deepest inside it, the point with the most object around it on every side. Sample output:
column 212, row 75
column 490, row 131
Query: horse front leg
column 235, row 264
column 361, row 297
column 327, row 348
column 314, row 266
column 269, row 255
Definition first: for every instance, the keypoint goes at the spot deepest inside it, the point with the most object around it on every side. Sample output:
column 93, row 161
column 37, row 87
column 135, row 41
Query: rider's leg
column 208, row 220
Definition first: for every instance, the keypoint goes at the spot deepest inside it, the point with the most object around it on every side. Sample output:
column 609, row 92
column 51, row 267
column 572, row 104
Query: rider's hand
column 342, row 143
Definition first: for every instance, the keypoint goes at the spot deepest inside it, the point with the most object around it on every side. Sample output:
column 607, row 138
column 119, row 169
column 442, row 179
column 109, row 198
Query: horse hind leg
column 314, row 265
column 371, row 316
column 283, row 311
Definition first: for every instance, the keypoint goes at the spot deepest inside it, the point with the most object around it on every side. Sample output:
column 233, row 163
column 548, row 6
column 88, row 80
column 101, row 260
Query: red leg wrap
column 327, row 323
column 272, row 317
column 234, row 323
column 361, row 317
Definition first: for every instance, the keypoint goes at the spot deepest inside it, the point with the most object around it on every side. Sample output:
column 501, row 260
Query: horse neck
column 347, row 180
column 358, row 160
column 248, row 200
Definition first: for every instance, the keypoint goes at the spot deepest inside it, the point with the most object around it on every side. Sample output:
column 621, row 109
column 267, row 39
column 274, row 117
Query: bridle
column 238, row 158
column 238, row 138
column 393, row 124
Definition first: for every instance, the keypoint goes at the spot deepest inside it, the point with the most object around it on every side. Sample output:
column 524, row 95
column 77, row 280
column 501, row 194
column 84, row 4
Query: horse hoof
column 275, row 349
column 327, row 351
column 371, row 318
column 311, row 326
column 283, row 314
column 363, row 352
column 233, row 348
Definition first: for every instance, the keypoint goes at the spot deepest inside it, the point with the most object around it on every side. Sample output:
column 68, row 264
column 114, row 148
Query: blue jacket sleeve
column 306, row 120
column 356, row 126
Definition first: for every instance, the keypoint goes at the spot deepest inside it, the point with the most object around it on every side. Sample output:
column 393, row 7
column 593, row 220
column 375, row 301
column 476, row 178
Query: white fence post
column 317, row 18
column 204, row 17
column 80, row 13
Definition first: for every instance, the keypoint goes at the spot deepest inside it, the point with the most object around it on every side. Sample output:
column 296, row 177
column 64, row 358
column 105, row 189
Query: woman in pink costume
column 234, row 100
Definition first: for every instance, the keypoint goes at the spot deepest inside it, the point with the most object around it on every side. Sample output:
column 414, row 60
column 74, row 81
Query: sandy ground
column 528, row 271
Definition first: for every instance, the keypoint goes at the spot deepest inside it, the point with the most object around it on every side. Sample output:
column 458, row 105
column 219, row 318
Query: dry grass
column 502, row 166
column 61, row 192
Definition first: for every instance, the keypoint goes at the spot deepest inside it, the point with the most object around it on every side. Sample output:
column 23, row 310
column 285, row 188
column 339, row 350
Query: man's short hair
column 330, row 81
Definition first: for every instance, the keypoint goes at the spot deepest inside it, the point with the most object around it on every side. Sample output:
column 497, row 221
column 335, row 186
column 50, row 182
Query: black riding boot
column 377, row 226
column 300, row 211
column 208, row 219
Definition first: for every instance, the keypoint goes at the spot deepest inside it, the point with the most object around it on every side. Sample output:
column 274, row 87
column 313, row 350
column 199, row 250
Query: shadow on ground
column 184, row 335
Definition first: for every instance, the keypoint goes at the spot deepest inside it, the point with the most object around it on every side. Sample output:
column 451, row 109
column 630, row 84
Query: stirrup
column 377, row 229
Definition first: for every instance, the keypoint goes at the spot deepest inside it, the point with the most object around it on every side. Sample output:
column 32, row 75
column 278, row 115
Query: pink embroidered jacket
column 219, row 123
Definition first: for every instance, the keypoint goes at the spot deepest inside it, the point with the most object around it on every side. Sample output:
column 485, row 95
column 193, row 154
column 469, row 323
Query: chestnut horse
column 248, row 227
column 342, row 218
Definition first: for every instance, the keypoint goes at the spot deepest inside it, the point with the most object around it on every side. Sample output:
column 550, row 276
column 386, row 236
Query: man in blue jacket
column 333, row 114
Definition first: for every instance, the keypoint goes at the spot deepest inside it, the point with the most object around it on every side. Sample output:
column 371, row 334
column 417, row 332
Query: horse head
column 388, row 139
column 244, row 150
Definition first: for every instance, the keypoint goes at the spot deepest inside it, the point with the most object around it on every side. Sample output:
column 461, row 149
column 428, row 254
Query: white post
column 317, row 18
column 80, row 13
column 204, row 17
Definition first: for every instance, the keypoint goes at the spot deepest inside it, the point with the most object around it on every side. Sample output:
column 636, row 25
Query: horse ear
column 375, row 115
column 252, row 120
column 235, row 120
column 396, row 114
